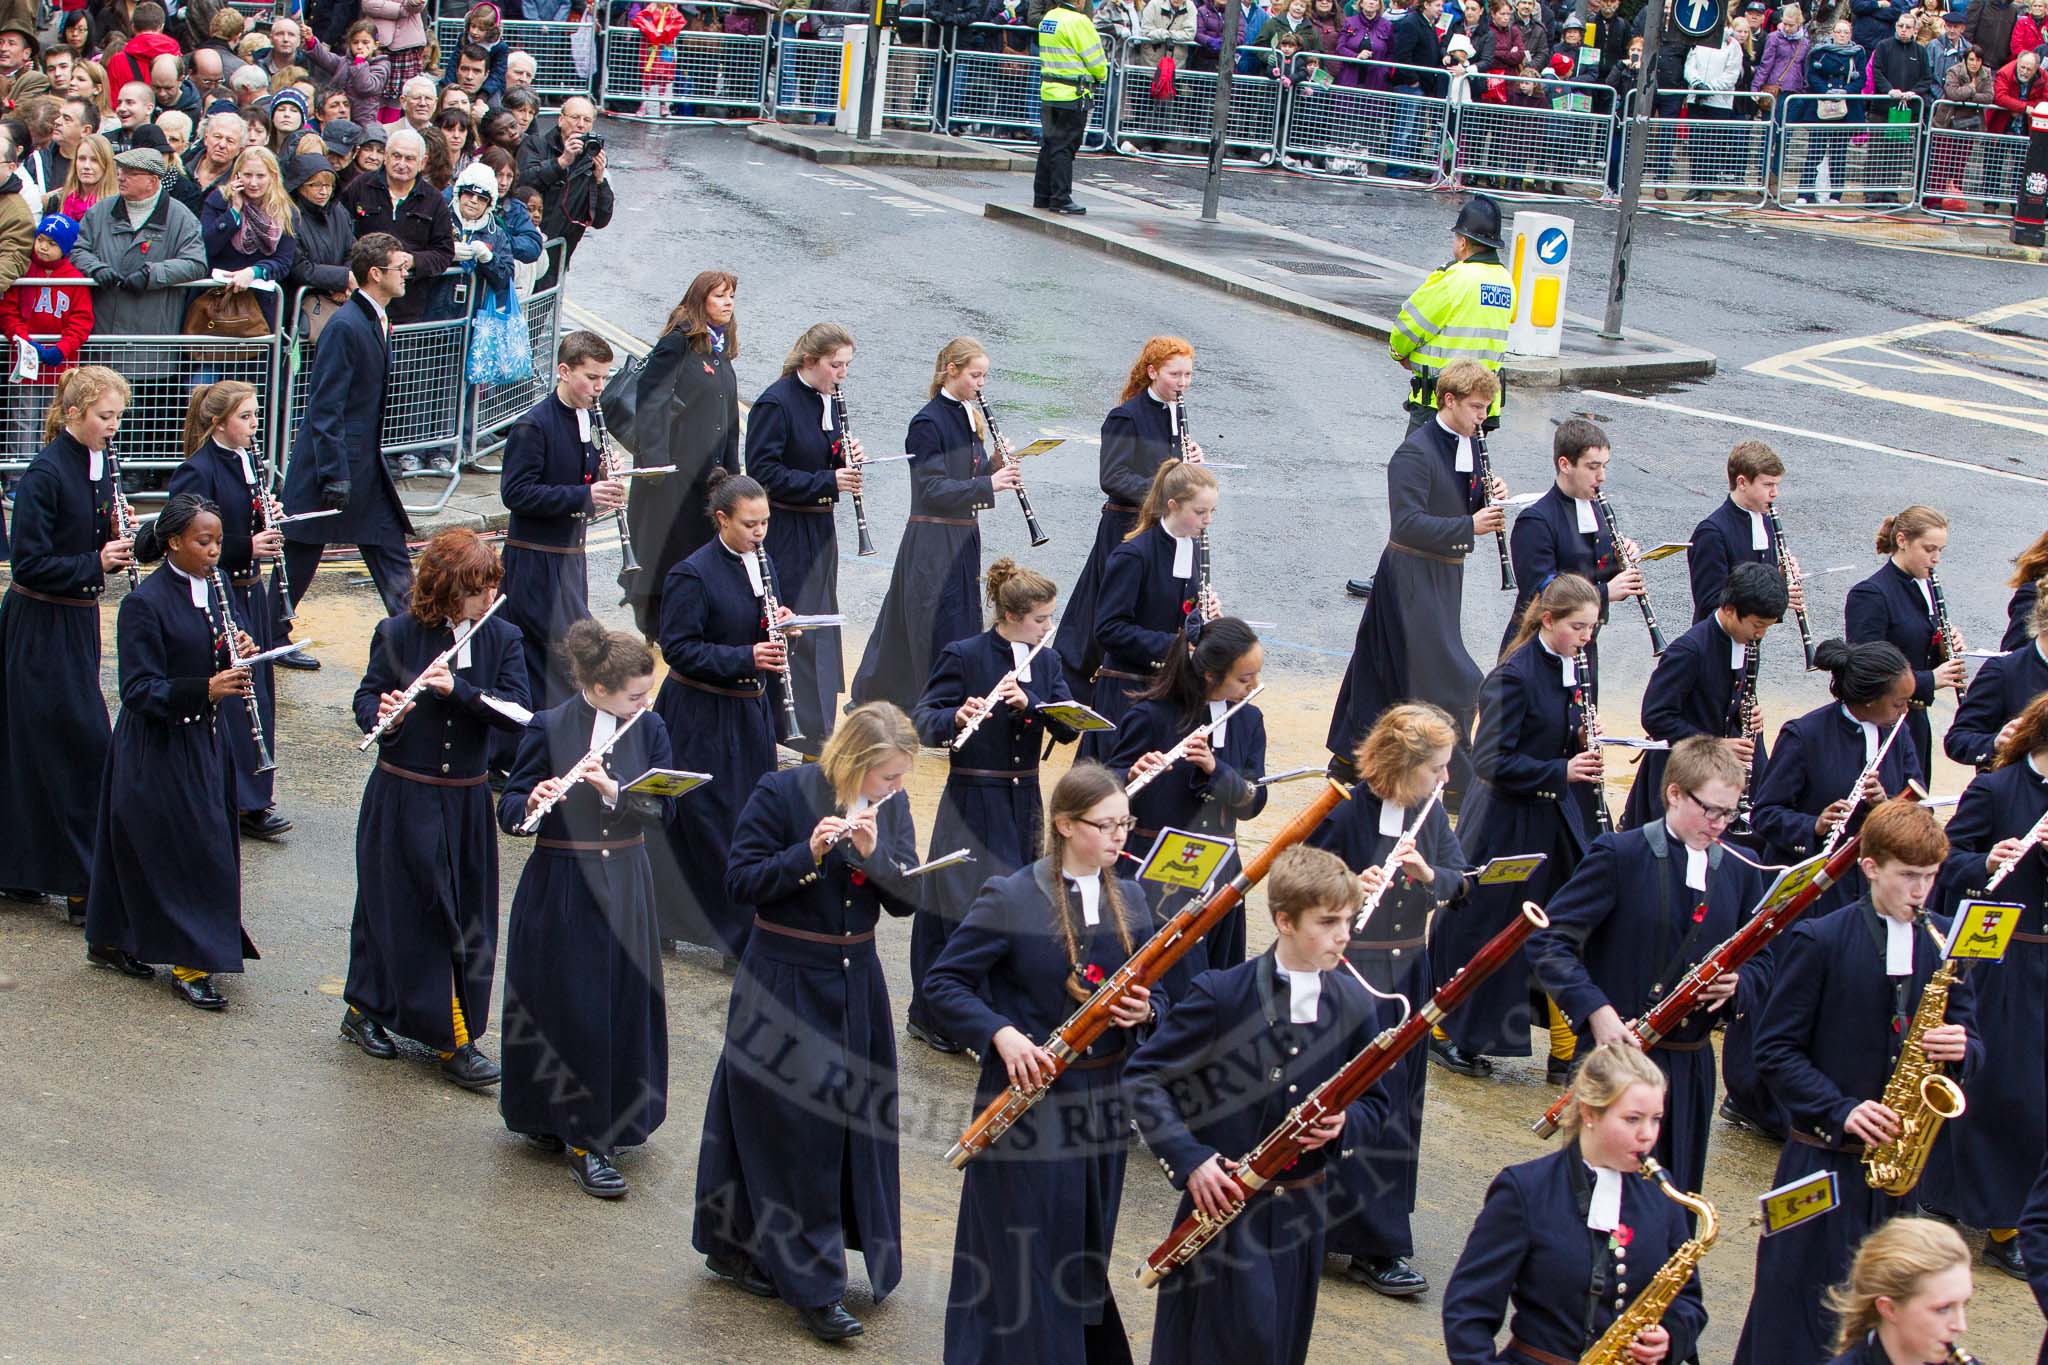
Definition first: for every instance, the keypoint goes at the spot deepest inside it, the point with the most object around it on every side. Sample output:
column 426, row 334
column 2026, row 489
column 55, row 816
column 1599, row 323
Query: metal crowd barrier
column 555, row 75
column 1705, row 155
column 1863, row 153
column 1178, row 129
column 1358, row 131
column 705, row 76
column 1513, row 144
column 993, row 96
column 495, row 407
column 806, row 74
column 1969, row 163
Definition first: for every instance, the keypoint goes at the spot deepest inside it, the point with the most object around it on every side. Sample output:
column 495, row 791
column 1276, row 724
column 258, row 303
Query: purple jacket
column 1366, row 40
column 1209, row 27
column 1783, row 63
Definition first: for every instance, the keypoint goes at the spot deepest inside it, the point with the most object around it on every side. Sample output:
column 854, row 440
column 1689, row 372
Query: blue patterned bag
column 500, row 350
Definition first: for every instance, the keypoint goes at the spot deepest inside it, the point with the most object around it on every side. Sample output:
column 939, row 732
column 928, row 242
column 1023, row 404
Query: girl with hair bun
column 52, row 718
column 991, row 802
column 1897, row 604
column 720, row 703
column 585, row 1028
column 166, row 869
column 932, row 599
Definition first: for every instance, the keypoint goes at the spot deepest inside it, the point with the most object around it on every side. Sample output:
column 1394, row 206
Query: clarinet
column 995, row 436
column 1634, row 561
column 1500, row 537
column 1751, row 719
column 842, row 441
column 1589, row 712
column 1792, row 578
column 607, row 469
column 1946, row 636
column 270, row 517
column 770, row 609
column 124, row 514
column 224, row 622
column 1198, row 613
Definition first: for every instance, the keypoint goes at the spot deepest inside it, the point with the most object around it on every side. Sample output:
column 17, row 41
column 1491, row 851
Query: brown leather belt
column 1001, row 775
column 1369, row 945
column 32, row 595
column 713, row 687
column 1124, row 508
column 591, row 845
column 1307, row 1182
column 1097, row 1063
column 411, row 776
column 808, row 937
column 943, row 521
column 1399, row 548
column 2019, row 936
column 1107, row 672
column 1519, row 1347
column 806, row 508
column 1809, row 1140
column 1694, row 1046
column 539, row 548
column 251, row 581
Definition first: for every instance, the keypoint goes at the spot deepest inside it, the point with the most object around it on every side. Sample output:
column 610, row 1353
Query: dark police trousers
column 1064, row 125
column 389, row 565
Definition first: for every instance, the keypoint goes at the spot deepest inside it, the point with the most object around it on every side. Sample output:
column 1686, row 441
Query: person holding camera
column 567, row 166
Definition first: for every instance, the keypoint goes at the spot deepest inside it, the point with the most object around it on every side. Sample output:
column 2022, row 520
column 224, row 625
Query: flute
column 124, row 513
column 1633, row 559
column 1179, row 751
column 988, row 703
column 2027, row 842
column 580, row 771
column 1500, row 537
column 225, row 624
column 1393, row 860
column 995, row 436
column 1827, row 850
column 842, row 444
column 419, row 684
column 832, row 840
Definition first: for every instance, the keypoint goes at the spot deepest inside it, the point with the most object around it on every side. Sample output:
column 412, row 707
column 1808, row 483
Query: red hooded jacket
column 131, row 63
column 33, row 310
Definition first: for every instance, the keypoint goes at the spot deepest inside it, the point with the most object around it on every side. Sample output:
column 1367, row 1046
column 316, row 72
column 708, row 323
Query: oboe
column 1631, row 557
column 1946, row 636
column 1751, row 719
column 1002, row 449
column 1484, row 469
column 1589, row 712
column 1789, row 567
column 770, row 609
column 221, row 608
column 124, row 514
column 843, row 445
column 1178, row 751
column 607, row 469
column 581, row 771
column 988, row 703
column 270, row 517
column 419, row 684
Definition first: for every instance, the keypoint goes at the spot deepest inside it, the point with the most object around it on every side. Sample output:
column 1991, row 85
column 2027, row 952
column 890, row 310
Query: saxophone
column 1649, row 1307
column 1919, row 1094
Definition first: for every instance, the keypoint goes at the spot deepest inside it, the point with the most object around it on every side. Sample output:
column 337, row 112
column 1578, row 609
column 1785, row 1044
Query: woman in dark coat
column 799, row 451
column 583, row 984
column 1402, row 761
column 1038, row 1211
column 1904, row 1299
column 684, row 410
column 1214, row 785
column 1140, row 434
column 247, row 224
column 798, row 1164
column 52, row 718
column 991, row 805
column 721, row 719
column 1148, row 592
column 932, row 599
column 324, row 231
column 1897, row 604
column 166, row 868
column 423, row 947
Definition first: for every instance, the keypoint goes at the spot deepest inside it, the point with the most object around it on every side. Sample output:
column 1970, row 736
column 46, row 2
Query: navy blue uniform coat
column 340, row 437
column 686, row 413
column 1142, row 609
column 1719, row 543
column 1692, row 691
column 2000, row 691
column 2019, row 615
column 1546, row 541
column 793, row 457
column 545, row 482
column 1137, row 438
column 1888, row 606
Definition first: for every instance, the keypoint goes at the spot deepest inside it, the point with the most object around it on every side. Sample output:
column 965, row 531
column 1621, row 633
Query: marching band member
column 1696, row 688
column 1563, row 532
column 583, row 983
column 423, row 946
column 1903, row 1301
column 796, row 452
column 1408, row 646
column 991, row 804
column 220, row 430
column 1846, row 989
column 1284, row 1022
column 1399, row 764
column 786, row 1188
column 933, row 596
column 1038, row 1211
column 52, row 718
column 1538, row 779
column 1148, row 591
column 721, row 663
column 1209, row 668
column 1139, row 435
column 2000, row 691
column 1737, row 532
column 1566, row 1241
column 1614, row 948
column 1897, row 604
column 2029, row 567
column 1980, row 1170
column 166, row 871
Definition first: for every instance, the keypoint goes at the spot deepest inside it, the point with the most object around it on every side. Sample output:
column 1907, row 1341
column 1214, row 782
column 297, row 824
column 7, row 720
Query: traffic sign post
column 1632, row 168
column 1540, row 259
column 1226, row 63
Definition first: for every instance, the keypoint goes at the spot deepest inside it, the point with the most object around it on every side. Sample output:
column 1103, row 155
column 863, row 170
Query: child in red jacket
column 29, row 311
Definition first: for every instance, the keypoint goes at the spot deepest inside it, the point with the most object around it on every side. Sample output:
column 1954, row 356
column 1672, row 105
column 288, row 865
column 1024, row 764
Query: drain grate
column 1326, row 268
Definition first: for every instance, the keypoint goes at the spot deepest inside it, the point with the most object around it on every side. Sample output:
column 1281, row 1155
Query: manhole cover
column 1328, row 268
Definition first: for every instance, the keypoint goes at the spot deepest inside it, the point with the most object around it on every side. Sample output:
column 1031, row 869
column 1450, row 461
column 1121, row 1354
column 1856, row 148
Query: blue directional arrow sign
column 1696, row 18
column 1550, row 246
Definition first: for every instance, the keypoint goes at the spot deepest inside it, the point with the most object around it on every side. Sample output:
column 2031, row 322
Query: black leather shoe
column 23, row 894
column 1557, row 1071
column 264, row 824
column 1074, row 210
column 119, row 960
column 831, row 1322
column 1454, row 1058
column 1388, row 1275
column 201, row 994
column 367, row 1034
column 74, row 911
column 596, row 1176
column 547, row 1142
column 1358, row 587
column 738, row 1270
column 2006, row 1256
column 298, row 659
column 931, row 1038
column 470, row 1069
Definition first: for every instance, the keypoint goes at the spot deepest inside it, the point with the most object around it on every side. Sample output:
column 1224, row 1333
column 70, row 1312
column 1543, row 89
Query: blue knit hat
column 59, row 229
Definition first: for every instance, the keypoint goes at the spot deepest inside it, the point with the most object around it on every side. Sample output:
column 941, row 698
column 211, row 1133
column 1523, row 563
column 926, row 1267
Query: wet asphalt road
column 246, row 1187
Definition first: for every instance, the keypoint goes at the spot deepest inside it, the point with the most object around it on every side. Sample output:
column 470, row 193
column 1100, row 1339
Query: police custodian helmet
column 1479, row 221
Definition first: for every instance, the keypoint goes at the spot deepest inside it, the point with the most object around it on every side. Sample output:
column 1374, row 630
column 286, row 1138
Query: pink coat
column 400, row 23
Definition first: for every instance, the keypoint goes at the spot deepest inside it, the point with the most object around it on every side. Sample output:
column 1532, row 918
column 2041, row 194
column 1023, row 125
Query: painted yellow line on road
column 611, row 331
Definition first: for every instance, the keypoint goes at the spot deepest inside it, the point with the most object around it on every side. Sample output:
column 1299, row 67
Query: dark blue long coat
column 52, row 719
column 1031, row 1257
column 1720, row 542
column 1531, row 1251
column 584, row 1037
column 793, row 457
column 340, row 437
column 216, row 474
column 1546, row 541
column 1888, row 606
column 720, row 721
column 799, row 1159
column 686, row 413
column 991, row 805
column 934, row 586
column 1623, row 932
column 1376, row 1184
column 1530, row 724
column 2000, row 691
column 166, row 866
column 1694, row 690
column 1137, row 438
column 1829, row 1041
column 1221, row 1071
column 545, row 482
column 2019, row 615
column 2034, row 1245
column 1187, row 798
column 426, row 845
column 1141, row 610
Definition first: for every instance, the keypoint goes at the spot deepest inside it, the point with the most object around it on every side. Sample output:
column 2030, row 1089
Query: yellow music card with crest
column 1184, row 860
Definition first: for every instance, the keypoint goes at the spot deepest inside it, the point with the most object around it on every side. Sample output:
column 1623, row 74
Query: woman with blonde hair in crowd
column 247, row 224
column 1903, row 1301
column 90, row 179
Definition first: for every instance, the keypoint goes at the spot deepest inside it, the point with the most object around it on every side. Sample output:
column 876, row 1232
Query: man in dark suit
column 337, row 462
